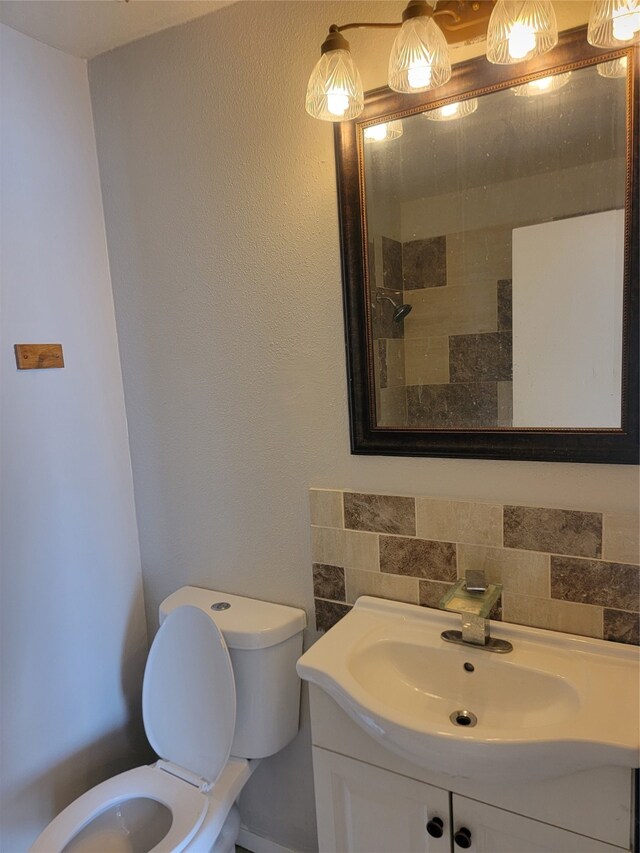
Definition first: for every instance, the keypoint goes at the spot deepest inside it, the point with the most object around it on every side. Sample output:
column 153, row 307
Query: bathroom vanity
column 393, row 773
column 369, row 799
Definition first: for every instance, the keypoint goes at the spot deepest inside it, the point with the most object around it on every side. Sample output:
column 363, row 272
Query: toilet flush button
column 221, row 605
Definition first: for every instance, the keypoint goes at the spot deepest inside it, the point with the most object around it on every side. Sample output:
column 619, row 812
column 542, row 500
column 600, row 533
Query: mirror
column 493, row 297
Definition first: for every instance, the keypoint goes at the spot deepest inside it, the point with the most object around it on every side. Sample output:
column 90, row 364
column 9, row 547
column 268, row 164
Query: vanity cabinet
column 493, row 830
column 364, row 809
column 369, row 800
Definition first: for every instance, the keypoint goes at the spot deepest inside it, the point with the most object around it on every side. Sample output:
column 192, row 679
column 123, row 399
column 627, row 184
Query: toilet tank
column 264, row 642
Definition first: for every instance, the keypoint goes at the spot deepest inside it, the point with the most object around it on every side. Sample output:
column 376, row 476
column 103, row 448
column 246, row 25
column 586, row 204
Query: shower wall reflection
column 503, row 231
column 452, row 356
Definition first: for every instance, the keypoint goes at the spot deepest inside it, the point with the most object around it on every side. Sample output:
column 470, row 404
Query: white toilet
column 220, row 692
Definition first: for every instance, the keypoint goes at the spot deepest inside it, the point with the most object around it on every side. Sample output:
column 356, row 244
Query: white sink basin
column 555, row 705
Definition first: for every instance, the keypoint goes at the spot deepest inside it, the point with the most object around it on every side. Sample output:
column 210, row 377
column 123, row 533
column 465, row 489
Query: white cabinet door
column 493, row 830
column 363, row 809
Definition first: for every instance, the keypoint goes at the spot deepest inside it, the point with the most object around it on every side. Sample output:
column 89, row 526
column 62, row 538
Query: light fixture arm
column 414, row 9
column 335, row 41
column 334, row 28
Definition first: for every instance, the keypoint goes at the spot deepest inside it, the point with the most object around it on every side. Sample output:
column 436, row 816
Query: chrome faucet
column 475, row 629
column 474, row 580
column 473, row 598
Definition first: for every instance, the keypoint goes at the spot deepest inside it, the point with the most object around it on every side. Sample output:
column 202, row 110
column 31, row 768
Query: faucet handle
column 475, row 580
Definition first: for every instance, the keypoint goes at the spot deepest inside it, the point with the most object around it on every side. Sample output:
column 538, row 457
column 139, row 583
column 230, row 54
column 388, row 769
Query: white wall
column 73, row 629
column 222, row 228
column 568, row 192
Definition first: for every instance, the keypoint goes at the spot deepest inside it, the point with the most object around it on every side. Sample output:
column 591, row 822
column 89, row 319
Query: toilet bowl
column 193, row 711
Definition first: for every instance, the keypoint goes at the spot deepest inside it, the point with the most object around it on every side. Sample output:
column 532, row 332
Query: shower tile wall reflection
column 450, row 359
column 450, row 206
column 388, row 333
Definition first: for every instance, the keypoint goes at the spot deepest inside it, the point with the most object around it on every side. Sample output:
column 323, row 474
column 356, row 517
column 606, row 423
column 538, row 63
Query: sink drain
column 463, row 718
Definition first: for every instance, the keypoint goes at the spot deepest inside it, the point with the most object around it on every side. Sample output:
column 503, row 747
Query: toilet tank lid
column 246, row 623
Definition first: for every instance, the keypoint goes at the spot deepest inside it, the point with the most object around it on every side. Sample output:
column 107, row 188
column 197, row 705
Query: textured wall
column 73, row 637
column 222, row 227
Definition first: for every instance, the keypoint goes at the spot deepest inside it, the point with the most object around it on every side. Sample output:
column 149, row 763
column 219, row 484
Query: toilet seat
column 189, row 711
column 189, row 693
column 188, row 806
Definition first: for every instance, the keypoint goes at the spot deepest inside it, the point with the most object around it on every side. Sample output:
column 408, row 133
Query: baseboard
column 258, row 844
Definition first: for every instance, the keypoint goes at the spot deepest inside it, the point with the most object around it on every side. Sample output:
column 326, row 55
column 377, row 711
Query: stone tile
column 372, row 265
column 505, row 306
column 326, row 507
column 382, row 322
column 391, row 362
column 621, row 627
column 474, row 257
column 621, row 535
column 380, row 513
column 481, row 358
column 395, row 363
column 328, row 582
column 377, row 370
column 344, row 548
column 458, row 406
column 459, row 521
column 453, row 311
column 392, row 407
column 381, row 585
column 426, row 361
column 424, row 263
column 596, row 582
column 553, row 615
column 557, row 531
column 505, row 404
column 522, row 572
column 496, row 611
column 377, row 373
column 328, row 613
column 391, row 264
column 419, row 558
column 431, row 593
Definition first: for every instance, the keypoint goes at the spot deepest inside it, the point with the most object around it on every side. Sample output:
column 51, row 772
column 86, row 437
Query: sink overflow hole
column 463, row 718
column 469, row 667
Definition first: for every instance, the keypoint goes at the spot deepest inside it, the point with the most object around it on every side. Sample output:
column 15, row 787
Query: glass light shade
column 451, row 112
column 383, row 132
column 613, row 68
column 335, row 89
column 543, row 85
column 614, row 23
column 419, row 57
column 521, row 29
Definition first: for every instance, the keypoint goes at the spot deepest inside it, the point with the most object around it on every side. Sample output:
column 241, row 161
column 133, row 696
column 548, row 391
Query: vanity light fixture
column 335, row 90
column 515, row 30
column 383, row 132
column 419, row 57
column 543, row 85
column 521, row 29
column 614, row 23
column 451, row 112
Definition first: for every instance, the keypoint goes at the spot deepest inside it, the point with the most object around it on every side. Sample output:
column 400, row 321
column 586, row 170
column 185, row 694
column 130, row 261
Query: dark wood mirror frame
column 479, row 77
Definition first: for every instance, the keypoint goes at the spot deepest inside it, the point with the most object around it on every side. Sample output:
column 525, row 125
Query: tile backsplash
column 561, row 569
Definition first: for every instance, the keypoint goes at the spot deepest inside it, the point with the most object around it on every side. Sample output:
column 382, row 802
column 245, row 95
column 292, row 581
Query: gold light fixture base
column 463, row 20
